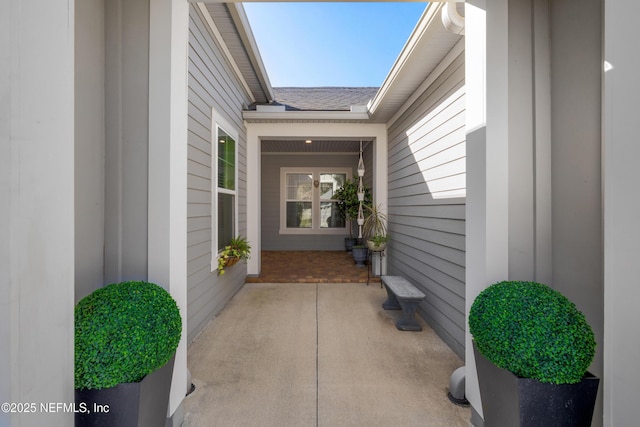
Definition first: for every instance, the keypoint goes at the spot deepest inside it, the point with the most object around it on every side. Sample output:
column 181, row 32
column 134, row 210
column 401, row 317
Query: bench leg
column 392, row 302
column 408, row 321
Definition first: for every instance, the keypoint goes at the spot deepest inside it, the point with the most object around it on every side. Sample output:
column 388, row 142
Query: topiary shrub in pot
column 537, row 341
column 126, row 335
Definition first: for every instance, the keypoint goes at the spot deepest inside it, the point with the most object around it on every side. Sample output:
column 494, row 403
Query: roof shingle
column 323, row 98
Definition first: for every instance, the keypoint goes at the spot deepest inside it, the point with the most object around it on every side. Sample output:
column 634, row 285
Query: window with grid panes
column 308, row 206
column 226, row 187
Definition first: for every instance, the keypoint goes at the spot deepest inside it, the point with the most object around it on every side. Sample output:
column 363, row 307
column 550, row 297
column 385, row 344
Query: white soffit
column 232, row 25
column 427, row 46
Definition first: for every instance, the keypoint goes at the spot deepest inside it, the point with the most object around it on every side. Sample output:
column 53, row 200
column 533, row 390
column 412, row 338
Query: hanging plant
column 361, row 163
column 348, row 203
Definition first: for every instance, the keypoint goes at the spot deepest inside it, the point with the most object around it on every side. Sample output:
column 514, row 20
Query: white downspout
column 452, row 20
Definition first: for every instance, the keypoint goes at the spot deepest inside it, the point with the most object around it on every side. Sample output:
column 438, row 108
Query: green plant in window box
column 236, row 250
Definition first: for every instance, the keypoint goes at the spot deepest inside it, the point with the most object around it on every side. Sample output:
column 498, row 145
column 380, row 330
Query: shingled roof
column 322, row 98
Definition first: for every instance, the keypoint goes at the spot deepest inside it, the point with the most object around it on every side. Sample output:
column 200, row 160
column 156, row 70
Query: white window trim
column 218, row 122
column 316, row 171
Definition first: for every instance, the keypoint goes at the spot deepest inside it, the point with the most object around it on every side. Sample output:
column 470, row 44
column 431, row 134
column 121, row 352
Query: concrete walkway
column 321, row 354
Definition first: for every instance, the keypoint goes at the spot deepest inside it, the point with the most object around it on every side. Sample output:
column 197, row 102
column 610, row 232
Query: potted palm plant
column 126, row 335
column 375, row 229
column 236, row 250
column 532, row 348
column 348, row 205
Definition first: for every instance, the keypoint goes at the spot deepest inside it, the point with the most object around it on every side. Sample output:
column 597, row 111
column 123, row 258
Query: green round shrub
column 533, row 331
column 123, row 332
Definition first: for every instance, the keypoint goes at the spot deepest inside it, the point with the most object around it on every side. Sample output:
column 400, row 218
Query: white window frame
column 217, row 122
column 315, row 205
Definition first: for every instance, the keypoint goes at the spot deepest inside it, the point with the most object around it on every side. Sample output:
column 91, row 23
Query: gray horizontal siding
column 426, row 174
column 212, row 85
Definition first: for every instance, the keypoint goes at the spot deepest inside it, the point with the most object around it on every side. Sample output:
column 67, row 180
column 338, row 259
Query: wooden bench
column 402, row 295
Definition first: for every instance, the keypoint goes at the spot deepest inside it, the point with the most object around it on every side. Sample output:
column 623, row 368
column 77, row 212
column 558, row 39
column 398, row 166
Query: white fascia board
column 429, row 15
column 304, row 115
column 270, row 108
column 241, row 20
column 215, row 33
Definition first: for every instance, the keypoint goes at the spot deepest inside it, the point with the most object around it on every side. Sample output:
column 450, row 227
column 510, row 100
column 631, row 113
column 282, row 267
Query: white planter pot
column 376, row 248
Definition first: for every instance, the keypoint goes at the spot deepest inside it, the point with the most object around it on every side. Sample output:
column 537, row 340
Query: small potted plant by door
column 236, row 250
column 377, row 243
column 532, row 348
column 348, row 203
column 126, row 335
column 360, row 254
column 375, row 229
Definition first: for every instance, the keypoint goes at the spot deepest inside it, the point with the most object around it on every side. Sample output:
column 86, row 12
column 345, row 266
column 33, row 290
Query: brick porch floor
column 310, row 267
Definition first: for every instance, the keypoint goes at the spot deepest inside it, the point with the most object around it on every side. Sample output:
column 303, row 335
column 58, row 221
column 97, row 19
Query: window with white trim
column 224, row 198
column 307, row 203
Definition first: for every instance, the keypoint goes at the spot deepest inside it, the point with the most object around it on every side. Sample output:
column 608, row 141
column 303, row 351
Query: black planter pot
column 142, row 404
column 360, row 255
column 509, row 400
column 349, row 242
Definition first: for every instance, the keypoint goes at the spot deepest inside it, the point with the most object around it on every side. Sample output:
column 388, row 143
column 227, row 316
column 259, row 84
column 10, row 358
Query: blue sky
column 331, row 44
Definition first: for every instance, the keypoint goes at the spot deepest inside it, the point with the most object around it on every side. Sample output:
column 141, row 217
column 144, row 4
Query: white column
column 168, row 48
column 36, row 207
column 487, row 117
column 381, row 186
column 621, row 152
column 253, row 200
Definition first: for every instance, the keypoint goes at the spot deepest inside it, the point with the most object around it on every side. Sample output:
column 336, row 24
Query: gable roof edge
column 241, row 21
column 428, row 16
column 428, row 46
column 215, row 33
